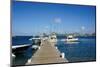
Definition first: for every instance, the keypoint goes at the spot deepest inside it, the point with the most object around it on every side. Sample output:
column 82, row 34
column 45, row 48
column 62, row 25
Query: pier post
column 63, row 55
column 56, row 48
column 29, row 61
column 39, row 47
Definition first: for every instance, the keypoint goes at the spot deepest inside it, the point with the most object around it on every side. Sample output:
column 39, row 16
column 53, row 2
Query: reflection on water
column 72, row 42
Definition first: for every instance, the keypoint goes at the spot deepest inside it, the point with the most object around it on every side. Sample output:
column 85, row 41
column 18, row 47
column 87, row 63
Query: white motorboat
column 36, row 42
column 70, row 38
column 18, row 49
column 35, row 46
column 53, row 38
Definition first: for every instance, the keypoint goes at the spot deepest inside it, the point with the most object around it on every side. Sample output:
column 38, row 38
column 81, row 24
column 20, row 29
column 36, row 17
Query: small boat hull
column 72, row 40
column 20, row 50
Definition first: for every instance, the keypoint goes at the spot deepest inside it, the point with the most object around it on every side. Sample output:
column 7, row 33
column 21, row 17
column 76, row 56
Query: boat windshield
column 69, row 38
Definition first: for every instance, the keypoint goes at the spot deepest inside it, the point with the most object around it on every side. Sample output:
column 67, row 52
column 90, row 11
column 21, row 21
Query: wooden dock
column 47, row 53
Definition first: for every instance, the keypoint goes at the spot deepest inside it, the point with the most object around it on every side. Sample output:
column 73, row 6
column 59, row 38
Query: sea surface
column 83, row 50
column 20, row 40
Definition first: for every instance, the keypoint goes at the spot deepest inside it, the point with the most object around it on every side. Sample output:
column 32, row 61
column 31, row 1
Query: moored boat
column 53, row 37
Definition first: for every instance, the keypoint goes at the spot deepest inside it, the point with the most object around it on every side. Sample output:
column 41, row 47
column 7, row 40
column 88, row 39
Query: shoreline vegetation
column 65, row 34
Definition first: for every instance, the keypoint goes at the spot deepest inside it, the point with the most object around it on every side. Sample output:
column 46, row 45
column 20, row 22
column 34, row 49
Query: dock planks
column 47, row 54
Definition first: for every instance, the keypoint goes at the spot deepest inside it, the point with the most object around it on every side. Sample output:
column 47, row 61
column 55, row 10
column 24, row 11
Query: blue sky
column 29, row 18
